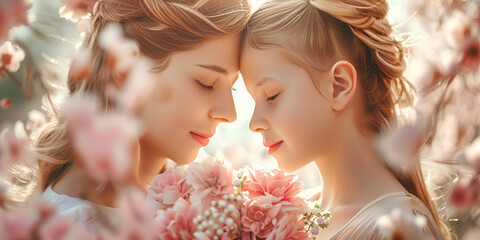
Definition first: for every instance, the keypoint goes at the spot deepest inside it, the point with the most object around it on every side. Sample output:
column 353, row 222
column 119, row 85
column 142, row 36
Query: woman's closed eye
column 208, row 87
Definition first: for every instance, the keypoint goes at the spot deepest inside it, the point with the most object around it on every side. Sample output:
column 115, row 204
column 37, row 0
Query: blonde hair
column 322, row 32
column 159, row 28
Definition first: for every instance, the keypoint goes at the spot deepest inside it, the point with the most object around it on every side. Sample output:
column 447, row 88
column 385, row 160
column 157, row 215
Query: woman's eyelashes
column 205, row 86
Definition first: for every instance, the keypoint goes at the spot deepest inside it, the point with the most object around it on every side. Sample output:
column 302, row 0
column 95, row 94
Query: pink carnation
column 284, row 188
column 259, row 215
column 287, row 229
column 177, row 222
column 166, row 188
column 212, row 179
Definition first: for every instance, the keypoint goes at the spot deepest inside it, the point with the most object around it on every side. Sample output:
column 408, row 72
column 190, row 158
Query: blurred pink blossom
column 18, row 223
column 122, row 52
column 402, row 225
column 471, row 54
column 177, row 222
column 456, row 28
column 11, row 56
column 75, row 10
column 13, row 150
column 260, row 215
column 284, row 188
column 166, row 188
column 211, row 179
column 5, row 102
column 104, row 142
column 401, row 146
column 80, row 68
column 63, row 227
column 472, row 153
column 462, row 196
column 12, row 13
column 287, row 229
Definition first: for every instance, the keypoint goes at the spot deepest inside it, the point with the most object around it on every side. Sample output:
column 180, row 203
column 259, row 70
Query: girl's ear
column 344, row 84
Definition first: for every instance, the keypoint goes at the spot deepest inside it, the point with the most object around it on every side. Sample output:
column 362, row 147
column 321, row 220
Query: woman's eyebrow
column 214, row 68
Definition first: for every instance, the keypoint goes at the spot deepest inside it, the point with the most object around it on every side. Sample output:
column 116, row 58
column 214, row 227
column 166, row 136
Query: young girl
column 326, row 76
column 194, row 45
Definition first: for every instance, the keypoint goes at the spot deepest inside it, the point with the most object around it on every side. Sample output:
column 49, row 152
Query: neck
column 150, row 165
column 353, row 173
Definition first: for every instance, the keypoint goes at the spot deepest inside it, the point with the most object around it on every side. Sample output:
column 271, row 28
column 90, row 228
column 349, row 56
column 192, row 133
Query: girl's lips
column 200, row 139
column 274, row 147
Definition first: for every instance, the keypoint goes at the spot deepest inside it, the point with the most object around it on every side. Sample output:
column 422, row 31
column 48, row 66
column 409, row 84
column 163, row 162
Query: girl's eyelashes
column 205, row 86
column 269, row 99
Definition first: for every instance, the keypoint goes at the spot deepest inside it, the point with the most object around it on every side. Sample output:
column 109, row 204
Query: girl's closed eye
column 269, row 99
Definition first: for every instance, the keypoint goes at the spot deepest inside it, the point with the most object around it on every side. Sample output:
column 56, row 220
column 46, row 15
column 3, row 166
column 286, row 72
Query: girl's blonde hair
column 159, row 28
column 317, row 33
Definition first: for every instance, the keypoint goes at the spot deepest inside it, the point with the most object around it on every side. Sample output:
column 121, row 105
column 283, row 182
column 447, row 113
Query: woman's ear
column 344, row 84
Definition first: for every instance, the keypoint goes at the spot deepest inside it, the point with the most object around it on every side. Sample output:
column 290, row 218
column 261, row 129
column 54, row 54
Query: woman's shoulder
column 81, row 210
column 399, row 208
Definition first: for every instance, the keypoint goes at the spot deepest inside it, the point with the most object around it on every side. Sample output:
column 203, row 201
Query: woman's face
column 295, row 120
column 190, row 98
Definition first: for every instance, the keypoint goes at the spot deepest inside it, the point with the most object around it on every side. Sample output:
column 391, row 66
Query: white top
column 83, row 211
column 363, row 224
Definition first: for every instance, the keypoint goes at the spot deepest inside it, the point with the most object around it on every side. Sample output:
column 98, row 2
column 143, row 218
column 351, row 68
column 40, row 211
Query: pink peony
column 284, row 188
column 260, row 215
column 75, row 10
column 166, row 188
column 177, row 222
column 288, row 230
column 211, row 179
column 10, row 58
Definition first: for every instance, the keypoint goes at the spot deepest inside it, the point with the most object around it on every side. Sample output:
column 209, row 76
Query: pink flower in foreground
column 288, row 230
column 260, row 215
column 461, row 196
column 472, row 153
column 402, row 225
column 471, row 55
column 75, row 10
column 166, row 188
column 400, row 147
column 13, row 150
column 61, row 227
column 211, row 179
column 284, row 188
column 5, row 102
column 12, row 13
column 104, row 142
column 177, row 222
column 10, row 58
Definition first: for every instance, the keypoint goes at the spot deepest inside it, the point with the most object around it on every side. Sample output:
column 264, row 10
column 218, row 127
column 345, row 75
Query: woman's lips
column 274, row 147
column 203, row 140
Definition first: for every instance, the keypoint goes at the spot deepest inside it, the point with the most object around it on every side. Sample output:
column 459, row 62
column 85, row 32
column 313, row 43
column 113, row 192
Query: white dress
column 93, row 216
column 364, row 224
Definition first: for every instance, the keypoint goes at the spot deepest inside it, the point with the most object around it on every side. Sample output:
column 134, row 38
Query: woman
column 194, row 45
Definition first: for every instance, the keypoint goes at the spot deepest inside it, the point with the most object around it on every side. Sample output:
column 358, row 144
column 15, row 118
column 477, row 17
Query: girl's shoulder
column 397, row 207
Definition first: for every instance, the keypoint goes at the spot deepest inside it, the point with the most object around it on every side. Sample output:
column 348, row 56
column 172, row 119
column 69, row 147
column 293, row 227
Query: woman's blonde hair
column 159, row 28
column 314, row 34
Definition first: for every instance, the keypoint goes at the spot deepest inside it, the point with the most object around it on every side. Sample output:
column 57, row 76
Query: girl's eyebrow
column 214, row 68
column 265, row 79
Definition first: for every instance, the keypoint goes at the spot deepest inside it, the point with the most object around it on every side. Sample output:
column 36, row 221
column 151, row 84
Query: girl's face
column 190, row 98
column 296, row 121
